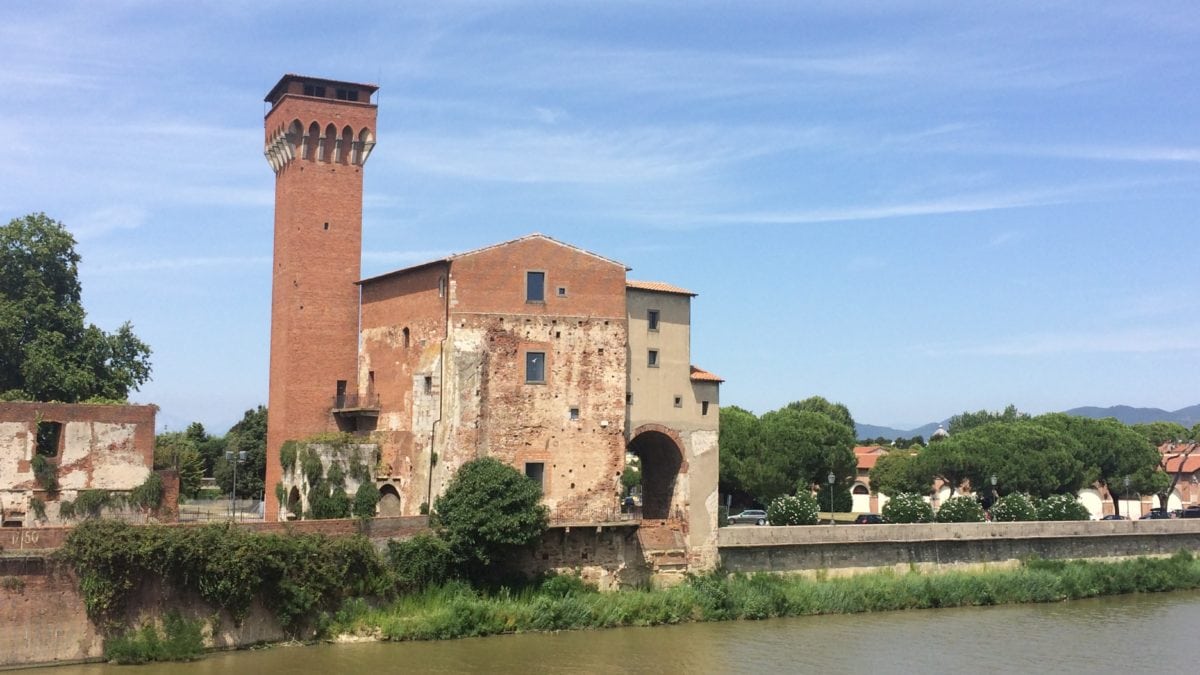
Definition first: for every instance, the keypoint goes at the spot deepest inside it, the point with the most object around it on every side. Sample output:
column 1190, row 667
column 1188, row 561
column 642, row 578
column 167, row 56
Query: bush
column 1062, row 507
column 420, row 562
column 793, row 510
column 907, row 507
column 960, row 509
column 1015, row 507
column 365, row 501
column 488, row 510
column 564, row 585
column 722, row 515
column 180, row 640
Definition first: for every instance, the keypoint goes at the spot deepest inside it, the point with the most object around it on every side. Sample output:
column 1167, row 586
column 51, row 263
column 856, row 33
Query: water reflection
column 1129, row 633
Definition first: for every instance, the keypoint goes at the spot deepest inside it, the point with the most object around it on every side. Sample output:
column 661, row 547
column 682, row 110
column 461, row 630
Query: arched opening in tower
column 661, row 459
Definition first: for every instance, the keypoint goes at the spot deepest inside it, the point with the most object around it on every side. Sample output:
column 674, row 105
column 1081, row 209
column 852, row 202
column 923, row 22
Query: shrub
column 488, row 510
column 564, row 585
column 907, row 507
column 722, row 515
column 1015, row 507
column 365, row 501
column 793, row 510
column 45, row 473
column 181, row 640
column 1062, row 507
column 420, row 562
column 149, row 495
column 960, row 509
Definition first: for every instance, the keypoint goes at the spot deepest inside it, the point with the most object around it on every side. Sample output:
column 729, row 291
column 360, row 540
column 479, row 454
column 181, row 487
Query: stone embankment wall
column 868, row 547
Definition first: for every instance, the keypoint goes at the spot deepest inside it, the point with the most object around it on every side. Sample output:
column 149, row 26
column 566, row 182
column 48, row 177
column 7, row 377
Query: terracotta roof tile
column 701, row 375
column 867, row 461
column 658, row 287
column 870, row 450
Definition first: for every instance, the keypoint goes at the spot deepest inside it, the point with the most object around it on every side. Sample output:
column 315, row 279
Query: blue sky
column 914, row 208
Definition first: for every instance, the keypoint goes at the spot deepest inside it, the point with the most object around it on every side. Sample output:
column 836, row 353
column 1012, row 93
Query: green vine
column 287, row 455
column 149, row 495
column 45, row 473
column 38, row 506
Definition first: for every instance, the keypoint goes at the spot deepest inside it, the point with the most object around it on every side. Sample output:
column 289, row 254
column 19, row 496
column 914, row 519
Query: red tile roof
column 658, row 287
column 869, row 449
column 867, row 461
column 701, row 375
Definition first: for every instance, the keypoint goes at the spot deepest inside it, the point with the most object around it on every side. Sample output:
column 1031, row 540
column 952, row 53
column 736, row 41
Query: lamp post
column 995, row 495
column 237, row 458
column 1125, row 494
column 831, row 478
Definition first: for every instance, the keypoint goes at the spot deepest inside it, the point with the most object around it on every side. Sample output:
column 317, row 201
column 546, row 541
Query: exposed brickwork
column 318, row 242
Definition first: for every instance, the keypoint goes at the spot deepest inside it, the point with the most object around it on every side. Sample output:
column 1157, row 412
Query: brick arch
column 666, row 431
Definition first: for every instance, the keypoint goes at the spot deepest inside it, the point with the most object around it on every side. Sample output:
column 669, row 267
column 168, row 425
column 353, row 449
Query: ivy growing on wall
column 325, row 486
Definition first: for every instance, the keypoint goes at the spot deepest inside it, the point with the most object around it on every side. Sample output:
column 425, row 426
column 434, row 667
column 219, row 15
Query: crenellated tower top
column 319, row 120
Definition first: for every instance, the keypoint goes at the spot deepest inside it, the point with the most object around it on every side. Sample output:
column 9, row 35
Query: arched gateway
column 661, row 452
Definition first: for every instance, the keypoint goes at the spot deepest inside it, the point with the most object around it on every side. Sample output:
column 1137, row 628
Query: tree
column 1025, row 456
column 1176, row 457
column 900, row 471
column 249, row 435
column 796, row 450
column 488, row 510
column 47, row 351
column 970, row 420
column 174, row 450
column 953, row 462
column 834, row 411
column 1112, row 452
column 211, row 448
column 738, row 430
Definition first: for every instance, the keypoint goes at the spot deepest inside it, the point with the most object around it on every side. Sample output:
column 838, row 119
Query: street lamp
column 831, row 478
column 236, row 458
column 994, row 493
column 1125, row 495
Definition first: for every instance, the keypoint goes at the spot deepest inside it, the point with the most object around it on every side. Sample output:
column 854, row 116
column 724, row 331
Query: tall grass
column 457, row 610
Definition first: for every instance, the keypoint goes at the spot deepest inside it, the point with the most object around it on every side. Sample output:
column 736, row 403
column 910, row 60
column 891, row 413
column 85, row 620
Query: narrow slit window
column 704, row 407
column 428, row 386
column 652, row 358
column 678, row 401
column 652, row 319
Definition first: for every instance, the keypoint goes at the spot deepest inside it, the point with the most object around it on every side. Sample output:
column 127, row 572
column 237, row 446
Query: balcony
column 353, row 404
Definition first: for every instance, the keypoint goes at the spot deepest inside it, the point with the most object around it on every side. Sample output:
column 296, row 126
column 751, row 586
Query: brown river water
column 1157, row 633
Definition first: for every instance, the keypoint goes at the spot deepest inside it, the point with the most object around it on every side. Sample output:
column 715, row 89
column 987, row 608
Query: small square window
column 535, row 367
column 535, row 287
column 574, row 414
column 678, row 401
column 704, row 407
column 652, row 359
column 562, row 291
column 652, row 319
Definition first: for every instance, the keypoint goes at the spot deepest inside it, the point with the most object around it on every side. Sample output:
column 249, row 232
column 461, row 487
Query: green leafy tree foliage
column 250, row 436
column 739, row 429
column 834, row 411
column 970, row 420
column 174, row 450
column 1163, row 432
column 951, row 461
column 211, row 447
column 843, row 500
column 961, row 509
column 907, row 508
column 366, row 498
column 900, row 471
column 47, row 350
column 1025, row 456
column 797, row 449
column 1062, row 507
column 1111, row 451
column 421, row 562
column 799, row 509
column 1013, row 508
column 488, row 510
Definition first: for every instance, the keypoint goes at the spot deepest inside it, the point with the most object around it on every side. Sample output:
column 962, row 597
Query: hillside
column 1188, row 417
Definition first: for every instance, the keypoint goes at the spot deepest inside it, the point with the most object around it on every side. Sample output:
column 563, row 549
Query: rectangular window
column 574, row 414
column 536, row 472
column 562, row 291
column 628, row 399
column 652, row 359
column 347, row 94
column 678, row 401
column 428, row 384
column 704, row 407
column 48, row 436
column 314, row 90
column 535, row 287
column 535, row 367
column 339, row 400
column 652, row 318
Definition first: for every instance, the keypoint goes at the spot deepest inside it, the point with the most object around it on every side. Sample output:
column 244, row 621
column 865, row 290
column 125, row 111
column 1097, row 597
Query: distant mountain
column 1188, row 417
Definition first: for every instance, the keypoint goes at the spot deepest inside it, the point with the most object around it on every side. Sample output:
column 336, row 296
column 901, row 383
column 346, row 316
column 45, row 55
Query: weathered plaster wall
column 108, row 447
column 607, row 556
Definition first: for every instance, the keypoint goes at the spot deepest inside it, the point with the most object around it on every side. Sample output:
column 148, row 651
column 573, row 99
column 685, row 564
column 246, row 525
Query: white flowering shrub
column 1012, row 508
column 793, row 510
column 1062, row 507
column 907, row 507
column 960, row 509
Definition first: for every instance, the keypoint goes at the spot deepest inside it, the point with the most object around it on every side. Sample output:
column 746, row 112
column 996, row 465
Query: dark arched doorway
column 389, row 501
column 661, row 460
column 294, row 504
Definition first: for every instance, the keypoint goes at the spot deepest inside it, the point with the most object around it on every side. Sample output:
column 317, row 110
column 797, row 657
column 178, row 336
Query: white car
column 750, row 516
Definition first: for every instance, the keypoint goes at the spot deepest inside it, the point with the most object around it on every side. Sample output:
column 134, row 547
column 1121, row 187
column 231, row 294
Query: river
column 1135, row 633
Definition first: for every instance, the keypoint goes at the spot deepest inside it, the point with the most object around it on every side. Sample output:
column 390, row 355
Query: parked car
column 749, row 516
column 1191, row 512
column 1156, row 514
column 1113, row 516
column 869, row 519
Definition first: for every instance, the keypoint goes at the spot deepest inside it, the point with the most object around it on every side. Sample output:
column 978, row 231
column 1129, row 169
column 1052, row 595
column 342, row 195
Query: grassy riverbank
column 457, row 610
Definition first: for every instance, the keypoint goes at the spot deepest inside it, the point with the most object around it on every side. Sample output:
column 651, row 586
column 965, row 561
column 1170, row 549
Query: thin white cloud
column 106, row 220
column 1131, row 341
column 181, row 263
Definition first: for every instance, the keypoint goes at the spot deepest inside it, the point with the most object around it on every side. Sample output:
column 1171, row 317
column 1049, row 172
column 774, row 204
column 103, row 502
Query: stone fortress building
column 532, row 351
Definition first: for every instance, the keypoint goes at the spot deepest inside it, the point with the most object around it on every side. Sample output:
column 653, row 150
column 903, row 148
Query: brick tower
column 319, row 134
